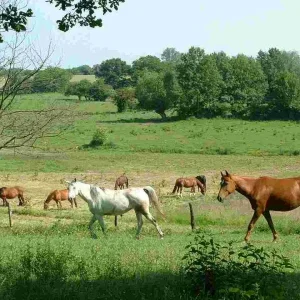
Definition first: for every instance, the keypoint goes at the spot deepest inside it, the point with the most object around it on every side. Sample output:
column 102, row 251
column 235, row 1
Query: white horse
column 111, row 202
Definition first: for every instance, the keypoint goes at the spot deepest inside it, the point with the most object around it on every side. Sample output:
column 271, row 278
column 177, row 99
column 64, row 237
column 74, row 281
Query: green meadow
column 50, row 254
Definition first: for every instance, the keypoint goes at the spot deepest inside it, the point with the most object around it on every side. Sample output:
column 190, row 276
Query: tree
column 246, row 85
column 280, row 68
column 82, row 70
column 200, row 81
column 52, row 79
column 286, row 87
column 100, row 91
column 81, row 89
column 157, row 91
column 125, row 98
column 147, row 63
column 14, row 14
column 20, row 127
column 115, row 72
column 170, row 55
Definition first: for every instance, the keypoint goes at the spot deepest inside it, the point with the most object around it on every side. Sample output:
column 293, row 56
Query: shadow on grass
column 152, row 286
column 143, row 121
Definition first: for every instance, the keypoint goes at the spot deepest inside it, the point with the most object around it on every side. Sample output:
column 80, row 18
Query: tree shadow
column 151, row 286
column 144, row 121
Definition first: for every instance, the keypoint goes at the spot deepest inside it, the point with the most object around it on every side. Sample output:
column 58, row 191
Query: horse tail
column 174, row 190
column 153, row 198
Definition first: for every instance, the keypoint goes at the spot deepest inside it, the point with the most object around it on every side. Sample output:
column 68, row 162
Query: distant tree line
column 192, row 84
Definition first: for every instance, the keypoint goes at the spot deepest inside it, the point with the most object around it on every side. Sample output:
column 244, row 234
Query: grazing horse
column 121, row 182
column 191, row 182
column 11, row 193
column 264, row 194
column 110, row 202
column 58, row 196
column 202, row 179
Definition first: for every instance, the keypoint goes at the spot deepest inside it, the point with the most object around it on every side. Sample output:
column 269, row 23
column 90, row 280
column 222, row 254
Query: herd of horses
column 264, row 193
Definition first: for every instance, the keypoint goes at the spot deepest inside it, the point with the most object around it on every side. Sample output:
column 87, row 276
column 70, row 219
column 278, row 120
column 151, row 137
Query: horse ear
column 227, row 174
column 222, row 174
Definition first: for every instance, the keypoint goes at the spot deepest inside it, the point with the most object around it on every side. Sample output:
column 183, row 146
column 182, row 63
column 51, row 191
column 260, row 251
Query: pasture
column 49, row 254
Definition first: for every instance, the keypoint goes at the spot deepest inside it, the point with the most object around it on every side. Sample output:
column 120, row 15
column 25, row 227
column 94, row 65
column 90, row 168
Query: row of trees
column 192, row 83
column 209, row 85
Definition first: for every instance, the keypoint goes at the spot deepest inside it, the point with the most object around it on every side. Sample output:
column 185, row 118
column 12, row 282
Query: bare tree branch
column 20, row 61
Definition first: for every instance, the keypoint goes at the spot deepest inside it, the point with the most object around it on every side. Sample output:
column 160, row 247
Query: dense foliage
column 224, row 272
column 97, row 91
column 191, row 84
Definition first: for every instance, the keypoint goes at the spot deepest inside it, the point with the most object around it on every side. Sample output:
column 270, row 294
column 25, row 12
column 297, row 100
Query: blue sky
column 143, row 27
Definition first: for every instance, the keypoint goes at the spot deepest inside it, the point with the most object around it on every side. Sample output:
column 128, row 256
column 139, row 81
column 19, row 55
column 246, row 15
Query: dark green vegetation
column 191, row 84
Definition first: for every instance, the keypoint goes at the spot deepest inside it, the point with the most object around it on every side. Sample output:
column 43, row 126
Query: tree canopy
column 14, row 15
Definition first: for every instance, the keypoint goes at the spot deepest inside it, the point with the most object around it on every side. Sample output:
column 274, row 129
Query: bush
column 125, row 98
column 99, row 138
column 229, row 273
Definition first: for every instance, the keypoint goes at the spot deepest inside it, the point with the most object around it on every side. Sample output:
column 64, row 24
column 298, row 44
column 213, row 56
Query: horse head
column 227, row 186
column 73, row 188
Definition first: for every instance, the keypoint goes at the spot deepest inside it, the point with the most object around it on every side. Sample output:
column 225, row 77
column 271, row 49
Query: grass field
column 49, row 254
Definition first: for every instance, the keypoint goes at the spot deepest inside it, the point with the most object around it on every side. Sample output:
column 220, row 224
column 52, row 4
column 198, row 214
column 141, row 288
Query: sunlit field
column 50, row 254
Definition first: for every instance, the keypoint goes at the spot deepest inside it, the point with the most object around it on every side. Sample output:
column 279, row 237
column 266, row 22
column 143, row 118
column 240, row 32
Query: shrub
column 230, row 273
column 99, row 138
column 125, row 98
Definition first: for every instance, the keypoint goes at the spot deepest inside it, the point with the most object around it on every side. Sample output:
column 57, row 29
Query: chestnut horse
column 191, row 182
column 11, row 193
column 58, row 196
column 264, row 194
column 121, row 182
column 202, row 179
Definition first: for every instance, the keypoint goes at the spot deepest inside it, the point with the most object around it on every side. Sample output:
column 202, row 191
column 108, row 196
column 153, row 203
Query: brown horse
column 202, row 179
column 11, row 193
column 191, row 182
column 121, row 182
column 58, row 196
column 264, row 194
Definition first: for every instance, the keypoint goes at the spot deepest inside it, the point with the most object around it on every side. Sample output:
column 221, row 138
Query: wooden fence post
column 9, row 214
column 116, row 221
column 192, row 216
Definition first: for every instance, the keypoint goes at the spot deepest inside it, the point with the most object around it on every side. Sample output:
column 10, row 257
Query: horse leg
column 4, row 201
column 60, row 206
column 20, row 200
column 57, row 204
column 139, row 218
column 267, row 216
column 153, row 221
column 102, row 224
column 181, row 187
column 71, row 201
column 92, row 221
column 255, row 217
